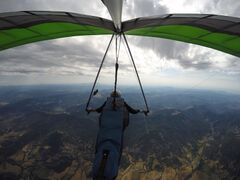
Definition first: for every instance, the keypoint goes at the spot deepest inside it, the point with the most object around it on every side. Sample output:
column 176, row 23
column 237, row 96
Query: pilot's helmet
column 115, row 94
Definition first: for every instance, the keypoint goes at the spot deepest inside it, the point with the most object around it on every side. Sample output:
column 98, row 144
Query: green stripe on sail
column 19, row 36
column 195, row 35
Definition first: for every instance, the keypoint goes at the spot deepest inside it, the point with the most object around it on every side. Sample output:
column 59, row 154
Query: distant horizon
column 110, row 86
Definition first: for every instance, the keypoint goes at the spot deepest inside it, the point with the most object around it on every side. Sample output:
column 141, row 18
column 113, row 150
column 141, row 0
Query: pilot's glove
column 145, row 112
column 90, row 110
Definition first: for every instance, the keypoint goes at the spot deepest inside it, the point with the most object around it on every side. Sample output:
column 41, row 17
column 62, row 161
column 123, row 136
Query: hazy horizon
column 122, row 88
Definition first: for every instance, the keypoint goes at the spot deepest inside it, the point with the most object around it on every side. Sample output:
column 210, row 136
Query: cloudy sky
column 160, row 62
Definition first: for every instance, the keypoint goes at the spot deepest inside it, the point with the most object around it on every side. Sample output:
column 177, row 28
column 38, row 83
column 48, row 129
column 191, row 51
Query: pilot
column 113, row 120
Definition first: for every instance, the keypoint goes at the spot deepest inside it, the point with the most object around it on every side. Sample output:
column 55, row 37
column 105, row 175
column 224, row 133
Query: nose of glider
column 115, row 9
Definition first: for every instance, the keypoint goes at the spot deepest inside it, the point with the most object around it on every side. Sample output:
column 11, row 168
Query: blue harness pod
column 110, row 139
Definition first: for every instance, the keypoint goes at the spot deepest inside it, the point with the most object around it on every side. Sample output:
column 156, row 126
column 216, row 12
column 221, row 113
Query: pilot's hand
column 90, row 110
column 145, row 112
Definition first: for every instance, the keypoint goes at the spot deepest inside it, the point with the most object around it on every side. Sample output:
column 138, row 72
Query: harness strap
column 108, row 140
column 103, row 164
column 118, row 45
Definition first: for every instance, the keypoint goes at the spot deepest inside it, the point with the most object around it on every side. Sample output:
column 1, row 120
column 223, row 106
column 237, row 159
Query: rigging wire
column 118, row 45
column 139, row 81
column 99, row 70
column 138, row 101
column 130, row 59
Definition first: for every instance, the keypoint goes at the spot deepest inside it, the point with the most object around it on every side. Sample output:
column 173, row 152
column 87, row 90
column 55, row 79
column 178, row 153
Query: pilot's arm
column 98, row 110
column 130, row 109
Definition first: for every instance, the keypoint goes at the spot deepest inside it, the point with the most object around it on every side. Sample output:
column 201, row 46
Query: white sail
column 115, row 10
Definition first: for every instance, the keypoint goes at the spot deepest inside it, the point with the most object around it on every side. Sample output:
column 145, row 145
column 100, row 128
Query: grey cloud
column 167, row 49
column 53, row 57
column 175, row 51
column 229, row 7
column 19, row 71
column 93, row 7
column 48, row 55
column 26, row 70
column 233, row 65
column 139, row 8
column 199, row 61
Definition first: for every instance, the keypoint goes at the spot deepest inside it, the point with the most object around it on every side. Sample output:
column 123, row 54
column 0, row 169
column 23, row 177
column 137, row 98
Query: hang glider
column 115, row 10
column 218, row 32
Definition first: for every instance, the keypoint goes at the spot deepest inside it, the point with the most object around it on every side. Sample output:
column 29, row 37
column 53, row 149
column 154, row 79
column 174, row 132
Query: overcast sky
column 160, row 62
